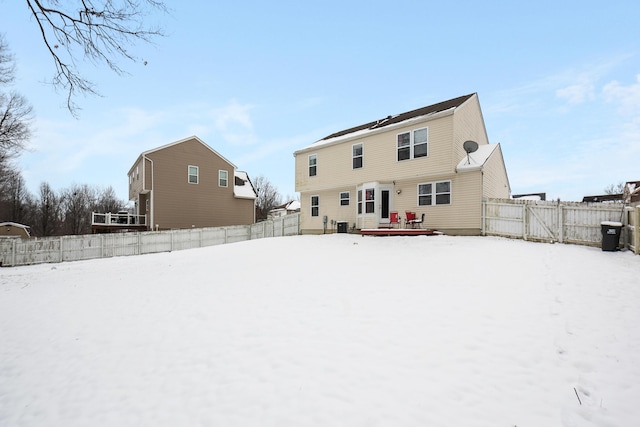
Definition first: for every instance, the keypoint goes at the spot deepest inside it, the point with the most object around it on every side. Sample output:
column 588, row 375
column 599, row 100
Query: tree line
column 54, row 213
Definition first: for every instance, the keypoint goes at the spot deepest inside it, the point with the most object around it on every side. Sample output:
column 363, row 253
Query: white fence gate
column 555, row 221
column 16, row 251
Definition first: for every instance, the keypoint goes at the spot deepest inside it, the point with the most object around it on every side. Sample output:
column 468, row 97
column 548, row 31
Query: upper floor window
column 344, row 198
column 313, row 164
column 223, row 178
column 315, row 205
column 358, row 155
column 193, row 174
column 413, row 144
column 434, row 193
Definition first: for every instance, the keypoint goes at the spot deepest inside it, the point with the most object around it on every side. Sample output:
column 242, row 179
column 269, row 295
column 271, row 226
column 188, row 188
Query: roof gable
column 181, row 141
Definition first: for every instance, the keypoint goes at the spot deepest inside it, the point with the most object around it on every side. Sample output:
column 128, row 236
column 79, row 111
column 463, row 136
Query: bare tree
column 77, row 202
column 15, row 112
column 107, row 201
column 268, row 197
column 103, row 30
column 14, row 196
column 614, row 188
column 48, row 215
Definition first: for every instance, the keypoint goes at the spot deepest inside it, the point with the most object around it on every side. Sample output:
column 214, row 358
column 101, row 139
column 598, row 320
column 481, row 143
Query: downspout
column 144, row 184
column 483, row 207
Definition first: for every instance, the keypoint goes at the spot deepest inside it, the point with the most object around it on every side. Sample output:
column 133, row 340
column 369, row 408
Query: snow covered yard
column 335, row 330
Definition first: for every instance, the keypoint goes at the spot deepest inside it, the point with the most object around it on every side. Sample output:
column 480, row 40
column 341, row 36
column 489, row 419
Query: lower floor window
column 370, row 202
column 434, row 193
column 315, row 205
column 344, row 198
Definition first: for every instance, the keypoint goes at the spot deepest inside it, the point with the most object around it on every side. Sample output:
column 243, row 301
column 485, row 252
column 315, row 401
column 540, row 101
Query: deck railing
column 122, row 219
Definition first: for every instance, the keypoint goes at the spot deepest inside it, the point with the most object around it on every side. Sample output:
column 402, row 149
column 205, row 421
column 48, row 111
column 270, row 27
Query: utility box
column 610, row 235
column 342, row 226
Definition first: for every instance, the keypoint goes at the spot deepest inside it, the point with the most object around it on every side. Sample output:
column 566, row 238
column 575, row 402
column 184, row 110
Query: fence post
column 484, row 217
column 560, row 222
column 636, row 232
column 13, row 253
column 525, row 222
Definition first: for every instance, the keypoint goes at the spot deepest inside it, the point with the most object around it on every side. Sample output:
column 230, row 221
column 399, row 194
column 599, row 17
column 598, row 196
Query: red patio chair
column 394, row 219
column 411, row 216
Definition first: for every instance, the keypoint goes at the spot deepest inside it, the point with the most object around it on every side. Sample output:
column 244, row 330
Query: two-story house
column 187, row 184
column 414, row 161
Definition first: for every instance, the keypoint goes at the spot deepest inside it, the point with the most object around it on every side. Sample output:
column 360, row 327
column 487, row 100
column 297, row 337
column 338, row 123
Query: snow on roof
column 530, row 197
column 361, row 133
column 13, row 224
column 477, row 159
column 294, row 205
column 391, row 122
column 245, row 190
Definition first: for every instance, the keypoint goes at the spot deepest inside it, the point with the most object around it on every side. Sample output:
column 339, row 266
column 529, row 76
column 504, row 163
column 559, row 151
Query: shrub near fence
column 15, row 251
column 555, row 221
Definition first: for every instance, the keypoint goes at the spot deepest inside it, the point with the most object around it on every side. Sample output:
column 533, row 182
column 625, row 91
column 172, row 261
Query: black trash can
column 610, row 235
column 342, row 226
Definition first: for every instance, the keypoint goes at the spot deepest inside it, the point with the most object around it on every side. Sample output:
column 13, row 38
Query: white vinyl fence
column 555, row 221
column 16, row 251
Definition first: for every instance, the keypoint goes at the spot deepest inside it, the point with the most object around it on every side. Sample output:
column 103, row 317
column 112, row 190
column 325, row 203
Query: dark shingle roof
column 389, row 120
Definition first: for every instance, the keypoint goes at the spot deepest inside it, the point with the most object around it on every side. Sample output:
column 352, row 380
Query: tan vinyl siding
column 468, row 125
column 496, row 183
column 447, row 130
column 334, row 167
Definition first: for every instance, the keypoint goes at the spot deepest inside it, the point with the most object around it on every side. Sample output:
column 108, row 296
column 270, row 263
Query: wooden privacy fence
column 15, row 251
column 563, row 222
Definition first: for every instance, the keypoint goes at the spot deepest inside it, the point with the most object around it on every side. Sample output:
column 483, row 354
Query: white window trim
column 434, row 193
column 348, row 199
column 312, row 205
column 353, row 156
column 366, row 201
column 412, row 143
column 309, row 165
column 220, row 178
column 189, row 175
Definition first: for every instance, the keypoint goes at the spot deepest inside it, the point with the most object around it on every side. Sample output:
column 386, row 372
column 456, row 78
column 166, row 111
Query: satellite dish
column 470, row 146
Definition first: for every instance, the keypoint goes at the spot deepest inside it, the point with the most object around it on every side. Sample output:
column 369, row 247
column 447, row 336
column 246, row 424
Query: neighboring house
column 631, row 195
column 13, row 229
column 285, row 209
column 530, row 196
column 414, row 161
column 188, row 184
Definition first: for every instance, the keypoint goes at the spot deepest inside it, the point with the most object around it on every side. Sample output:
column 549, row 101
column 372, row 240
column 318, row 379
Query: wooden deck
column 398, row 232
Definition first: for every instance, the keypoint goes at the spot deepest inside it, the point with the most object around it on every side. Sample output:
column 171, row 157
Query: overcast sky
column 558, row 83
